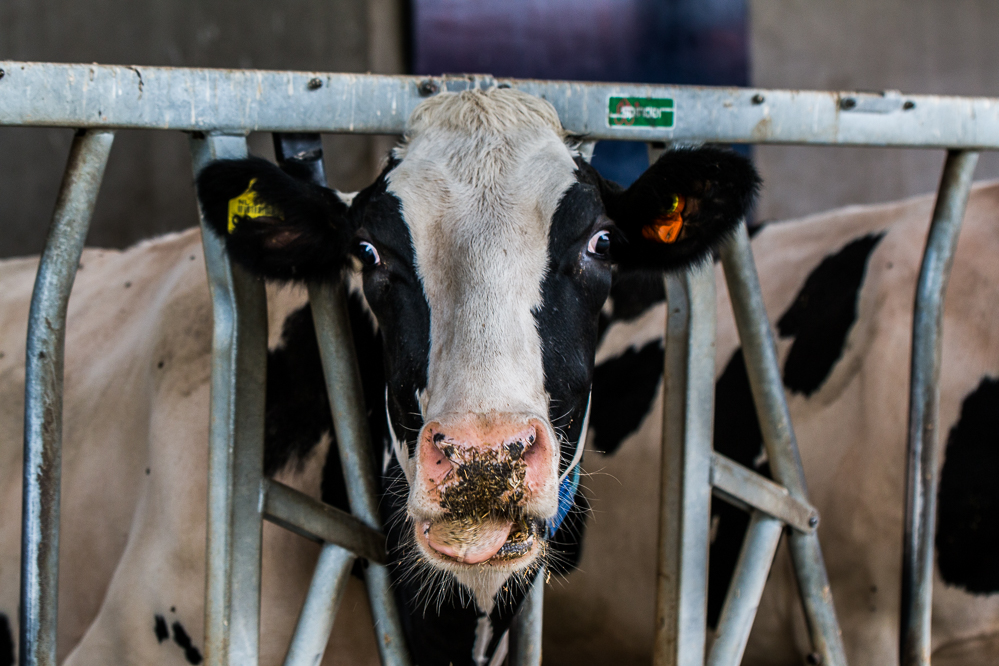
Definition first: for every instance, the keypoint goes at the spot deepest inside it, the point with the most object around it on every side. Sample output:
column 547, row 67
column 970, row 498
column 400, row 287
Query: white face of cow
column 487, row 249
column 478, row 200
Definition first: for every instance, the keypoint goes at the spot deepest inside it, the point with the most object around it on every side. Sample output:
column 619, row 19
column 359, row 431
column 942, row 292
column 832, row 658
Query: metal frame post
column 526, row 630
column 685, row 504
column 43, row 386
column 924, row 404
column 236, row 440
column 767, row 389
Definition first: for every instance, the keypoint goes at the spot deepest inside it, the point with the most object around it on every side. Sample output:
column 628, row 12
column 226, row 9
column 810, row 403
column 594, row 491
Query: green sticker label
column 640, row 112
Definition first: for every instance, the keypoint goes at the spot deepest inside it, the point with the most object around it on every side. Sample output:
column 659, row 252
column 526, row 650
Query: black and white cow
column 487, row 250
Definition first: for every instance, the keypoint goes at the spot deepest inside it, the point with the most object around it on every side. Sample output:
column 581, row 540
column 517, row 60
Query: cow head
column 487, row 248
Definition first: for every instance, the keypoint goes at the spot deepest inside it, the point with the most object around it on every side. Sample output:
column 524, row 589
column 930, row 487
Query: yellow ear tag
column 247, row 205
column 666, row 228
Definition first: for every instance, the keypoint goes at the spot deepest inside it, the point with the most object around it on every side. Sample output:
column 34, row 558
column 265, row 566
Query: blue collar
column 569, row 483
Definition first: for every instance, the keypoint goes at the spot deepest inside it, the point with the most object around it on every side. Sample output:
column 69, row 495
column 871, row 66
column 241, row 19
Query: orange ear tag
column 666, row 228
column 247, row 205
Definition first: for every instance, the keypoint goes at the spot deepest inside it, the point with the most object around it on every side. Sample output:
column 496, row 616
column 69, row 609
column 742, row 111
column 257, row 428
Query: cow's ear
column 682, row 207
column 275, row 225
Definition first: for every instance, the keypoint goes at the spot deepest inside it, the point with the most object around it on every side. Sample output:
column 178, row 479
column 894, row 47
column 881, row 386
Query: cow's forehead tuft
column 497, row 110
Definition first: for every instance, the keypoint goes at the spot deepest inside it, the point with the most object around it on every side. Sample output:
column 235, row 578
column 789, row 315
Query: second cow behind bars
column 487, row 249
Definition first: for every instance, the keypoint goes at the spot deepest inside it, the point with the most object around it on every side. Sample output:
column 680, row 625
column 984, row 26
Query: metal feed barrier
column 219, row 107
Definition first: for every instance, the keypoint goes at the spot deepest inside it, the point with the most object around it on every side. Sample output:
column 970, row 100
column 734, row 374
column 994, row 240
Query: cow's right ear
column 275, row 225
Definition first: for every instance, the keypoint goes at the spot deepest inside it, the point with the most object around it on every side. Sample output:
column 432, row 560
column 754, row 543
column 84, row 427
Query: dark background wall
column 147, row 187
column 927, row 46
column 916, row 46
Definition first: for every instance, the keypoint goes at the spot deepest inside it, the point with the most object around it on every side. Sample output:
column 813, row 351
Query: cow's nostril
column 438, row 437
column 516, row 449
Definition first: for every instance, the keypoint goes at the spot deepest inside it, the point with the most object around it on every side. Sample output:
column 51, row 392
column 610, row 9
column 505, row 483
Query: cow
column 839, row 288
column 484, row 254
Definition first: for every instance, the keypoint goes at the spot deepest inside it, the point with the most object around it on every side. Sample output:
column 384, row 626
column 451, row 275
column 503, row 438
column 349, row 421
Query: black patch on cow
column 822, row 314
column 968, row 500
column 737, row 435
column 575, row 288
column 6, row 642
column 180, row 637
column 160, row 629
column 623, row 390
column 297, row 412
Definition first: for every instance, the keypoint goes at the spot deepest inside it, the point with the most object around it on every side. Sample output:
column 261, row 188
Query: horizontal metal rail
column 312, row 519
column 740, row 485
column 109, row 96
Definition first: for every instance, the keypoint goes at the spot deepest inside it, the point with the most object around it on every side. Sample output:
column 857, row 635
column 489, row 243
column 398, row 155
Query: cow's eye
column 368, row 255
column 599, row 244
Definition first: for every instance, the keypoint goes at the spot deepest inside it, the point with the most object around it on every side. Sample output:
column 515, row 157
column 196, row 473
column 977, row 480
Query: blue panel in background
column 697, row 42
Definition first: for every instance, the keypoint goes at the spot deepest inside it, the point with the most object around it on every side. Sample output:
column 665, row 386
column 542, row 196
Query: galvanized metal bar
column 684, row 514
column 343, row 382
column 236, row 440
column 308, row 517
column 924, row 404
column 778, row 436
column 106, row 96
column 43, row 395
column 526, row 630
column 315, row 622
column 736, row 482
column 745, row 590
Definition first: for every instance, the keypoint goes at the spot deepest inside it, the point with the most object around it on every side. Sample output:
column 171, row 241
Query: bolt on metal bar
column 735, row 482
column 526, row 630
column 684, row 513
column 924, row 404
column 236, row 440
column 318, row 521
column 343, row 382
column 745, row 590
column 315, row 622
column 43, row 388
column 767, row 389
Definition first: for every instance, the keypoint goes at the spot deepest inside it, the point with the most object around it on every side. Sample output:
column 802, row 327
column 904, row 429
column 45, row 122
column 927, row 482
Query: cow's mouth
column 492, row 541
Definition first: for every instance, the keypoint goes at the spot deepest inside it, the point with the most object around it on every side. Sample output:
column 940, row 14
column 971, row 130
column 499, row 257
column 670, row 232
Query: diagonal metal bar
column 684, row 513
column 236, row 440
column 43, row 385
column 735, row 482
column 924, row 404
column 312, row 519
column 778, row 436
column 312, row 632
column 745, row 590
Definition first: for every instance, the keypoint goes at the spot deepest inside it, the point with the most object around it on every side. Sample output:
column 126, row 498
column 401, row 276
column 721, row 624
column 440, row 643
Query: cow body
column 839, row 288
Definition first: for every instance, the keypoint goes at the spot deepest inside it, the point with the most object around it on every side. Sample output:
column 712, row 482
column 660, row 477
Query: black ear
column 682, row 207
column 275, row 225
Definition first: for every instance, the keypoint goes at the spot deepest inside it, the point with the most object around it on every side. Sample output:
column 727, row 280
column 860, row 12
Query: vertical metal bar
column 315, row 622
column 743, row 597
column 684, row 514
column 236, row 441
column 924, row 404
column 526, row 630
column 43, row 395
column 778, row 436
column 343, row 382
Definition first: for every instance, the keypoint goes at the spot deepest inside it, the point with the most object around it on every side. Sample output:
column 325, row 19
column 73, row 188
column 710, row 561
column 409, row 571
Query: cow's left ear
column 274, row 224
column 682, row 207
